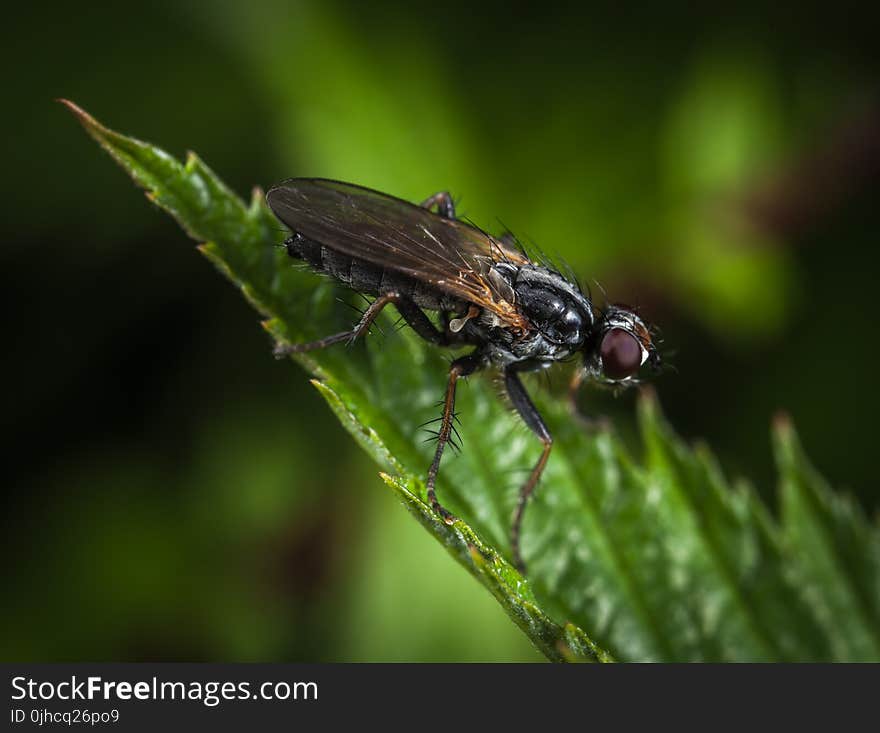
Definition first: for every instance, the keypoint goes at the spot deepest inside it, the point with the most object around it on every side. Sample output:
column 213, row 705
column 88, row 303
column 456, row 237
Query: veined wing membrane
column 450, row 254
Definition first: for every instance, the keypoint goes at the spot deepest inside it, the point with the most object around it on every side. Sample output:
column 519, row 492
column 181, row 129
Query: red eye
column 621, row 354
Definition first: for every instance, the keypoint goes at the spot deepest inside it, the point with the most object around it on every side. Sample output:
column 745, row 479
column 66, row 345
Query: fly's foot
column 282, row 350
column 447, row 516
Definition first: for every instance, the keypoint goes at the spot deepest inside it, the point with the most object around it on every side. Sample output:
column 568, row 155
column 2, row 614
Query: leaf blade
column 836, row 556
column 661, row 561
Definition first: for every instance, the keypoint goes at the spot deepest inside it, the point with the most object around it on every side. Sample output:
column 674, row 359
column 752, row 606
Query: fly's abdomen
column 367, row 278
column 357, row 274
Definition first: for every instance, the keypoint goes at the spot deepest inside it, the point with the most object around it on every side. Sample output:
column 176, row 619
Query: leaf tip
column 398, row 485
column 257, row 200
column 785, row 441
column 75, row 108
column 782, row 423
column 648, row 408
column 648, row 400
column 91, row 125
column 191, row 161
column 327, row 392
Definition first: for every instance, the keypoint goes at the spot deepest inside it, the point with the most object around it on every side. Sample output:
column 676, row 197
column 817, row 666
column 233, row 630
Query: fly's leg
column 420, row 323
column 412, row 314
column 532, row 418
column 362, row 326
column 461, row 367
column 444, row 203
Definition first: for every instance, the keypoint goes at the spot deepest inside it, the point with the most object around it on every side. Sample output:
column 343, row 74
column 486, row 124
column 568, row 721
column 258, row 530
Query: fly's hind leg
column 532, row 418
column 461, row 367
column 412, row 314
column 442, row 200
column 360, row 328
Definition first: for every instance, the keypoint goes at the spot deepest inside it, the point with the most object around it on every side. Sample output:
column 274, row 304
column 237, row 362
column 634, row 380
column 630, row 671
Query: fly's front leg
column 461, row 367
column 442, row 200
column 362, row 326
column 532, row 418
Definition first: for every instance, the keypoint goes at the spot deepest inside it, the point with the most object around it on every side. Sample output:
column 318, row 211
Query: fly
column 518, row 315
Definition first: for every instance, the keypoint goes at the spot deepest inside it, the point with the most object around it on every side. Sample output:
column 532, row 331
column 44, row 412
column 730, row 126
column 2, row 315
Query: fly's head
column 620, row 348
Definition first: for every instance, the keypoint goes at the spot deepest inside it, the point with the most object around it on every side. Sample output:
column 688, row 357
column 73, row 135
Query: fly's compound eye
column 621, row 353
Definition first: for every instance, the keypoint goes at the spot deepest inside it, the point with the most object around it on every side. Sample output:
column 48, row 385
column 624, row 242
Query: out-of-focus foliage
column 665, row 563
column 172, row 492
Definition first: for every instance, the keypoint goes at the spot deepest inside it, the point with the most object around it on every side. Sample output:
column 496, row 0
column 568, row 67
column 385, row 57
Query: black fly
column 519, row 315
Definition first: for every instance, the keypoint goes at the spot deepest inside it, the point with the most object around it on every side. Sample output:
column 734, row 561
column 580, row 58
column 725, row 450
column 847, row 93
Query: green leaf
column 652, row 560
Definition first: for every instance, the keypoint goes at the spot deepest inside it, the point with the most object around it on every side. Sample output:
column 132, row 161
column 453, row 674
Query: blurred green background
column 174, row 493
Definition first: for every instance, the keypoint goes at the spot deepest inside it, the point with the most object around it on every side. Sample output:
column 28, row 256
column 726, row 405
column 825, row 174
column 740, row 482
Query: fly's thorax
column 557, row 308
column 560, row 315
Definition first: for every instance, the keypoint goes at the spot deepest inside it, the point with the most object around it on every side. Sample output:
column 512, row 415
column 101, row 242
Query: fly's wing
column 452, row 255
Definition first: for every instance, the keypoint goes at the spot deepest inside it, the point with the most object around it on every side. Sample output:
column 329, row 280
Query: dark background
column 172, row 492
